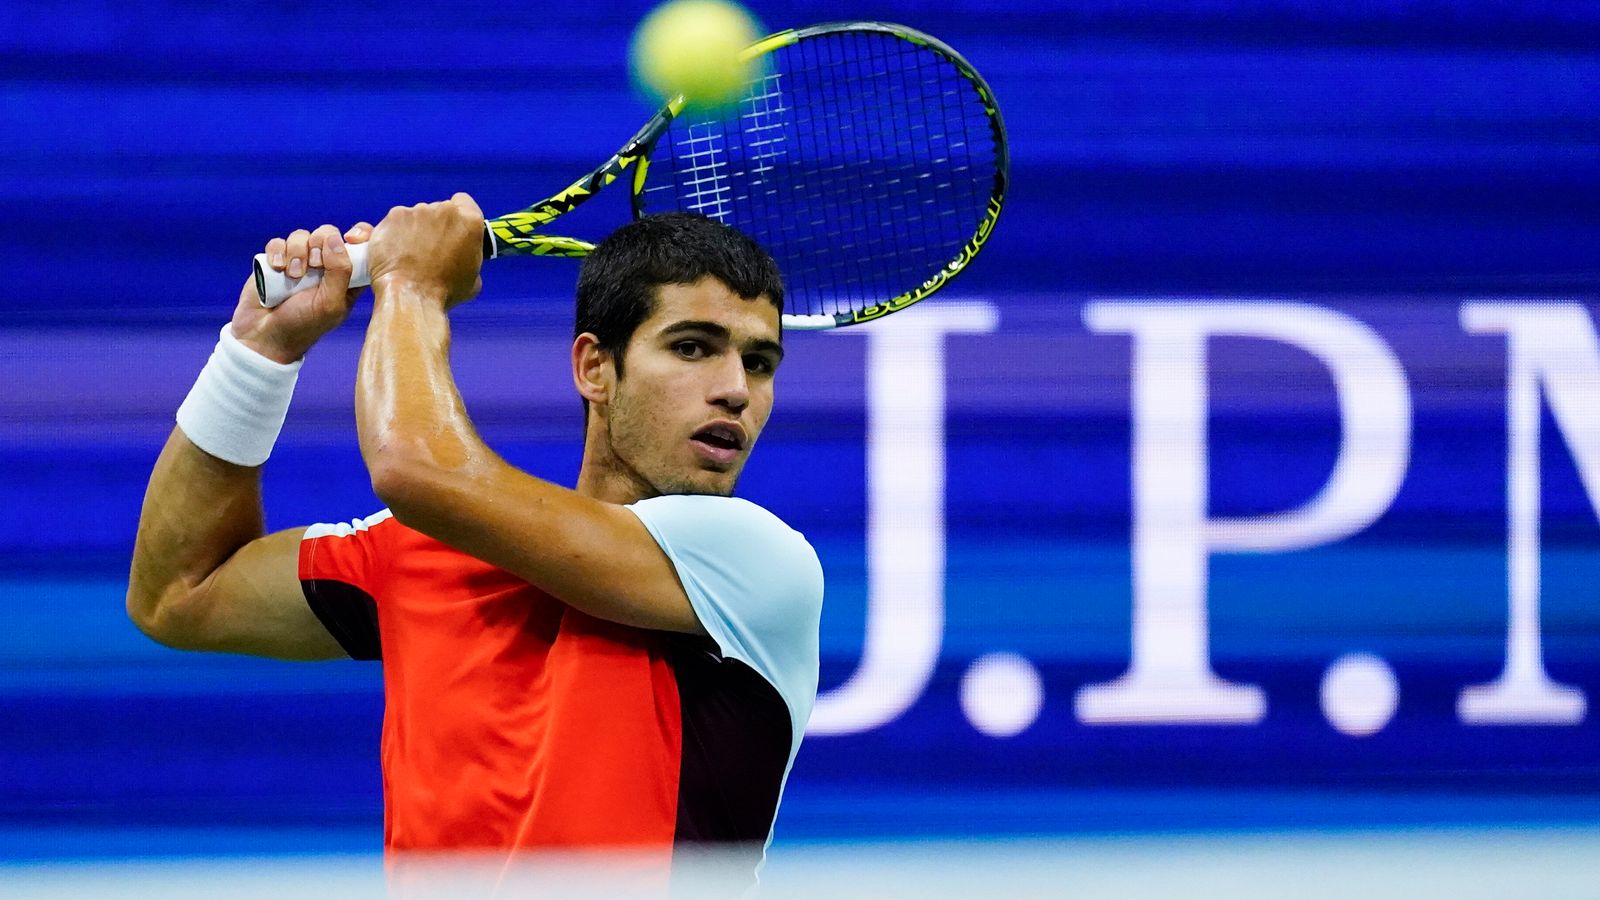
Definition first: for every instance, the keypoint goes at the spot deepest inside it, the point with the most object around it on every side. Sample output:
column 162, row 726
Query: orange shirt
column 515, row 722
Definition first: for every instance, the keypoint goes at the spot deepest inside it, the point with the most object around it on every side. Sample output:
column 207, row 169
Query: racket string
column 853, row 160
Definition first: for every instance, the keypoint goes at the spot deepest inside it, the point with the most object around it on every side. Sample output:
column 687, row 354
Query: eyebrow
column 759, row 345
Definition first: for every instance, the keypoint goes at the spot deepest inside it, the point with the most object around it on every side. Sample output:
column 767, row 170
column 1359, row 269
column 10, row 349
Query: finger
column 297, row 252
column 335, row 262
column 359, row 233
column 275, row 248
column 317, row 244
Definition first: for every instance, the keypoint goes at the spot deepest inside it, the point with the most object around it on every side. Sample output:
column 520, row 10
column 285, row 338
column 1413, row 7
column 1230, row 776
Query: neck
column 602, row 475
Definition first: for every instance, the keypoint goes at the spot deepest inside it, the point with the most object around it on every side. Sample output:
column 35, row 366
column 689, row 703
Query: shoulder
column 708, row 509
column 684, row 515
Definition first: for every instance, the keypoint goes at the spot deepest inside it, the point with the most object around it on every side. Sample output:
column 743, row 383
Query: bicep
column 253, row 603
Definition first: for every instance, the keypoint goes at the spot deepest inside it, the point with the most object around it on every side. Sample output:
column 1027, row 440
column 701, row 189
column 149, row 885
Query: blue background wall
column 1388, row 160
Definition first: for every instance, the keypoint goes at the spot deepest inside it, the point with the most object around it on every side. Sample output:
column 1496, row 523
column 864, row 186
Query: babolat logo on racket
column 938, row 279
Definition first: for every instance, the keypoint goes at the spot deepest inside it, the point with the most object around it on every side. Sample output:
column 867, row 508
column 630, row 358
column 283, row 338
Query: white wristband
column 236, row 407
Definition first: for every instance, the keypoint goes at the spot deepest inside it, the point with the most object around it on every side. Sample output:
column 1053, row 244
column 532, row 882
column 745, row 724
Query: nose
column 731, row 389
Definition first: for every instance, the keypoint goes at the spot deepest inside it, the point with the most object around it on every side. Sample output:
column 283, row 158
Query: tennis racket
column 868, row 158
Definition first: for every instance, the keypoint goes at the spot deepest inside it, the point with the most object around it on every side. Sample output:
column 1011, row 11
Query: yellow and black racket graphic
column 868, row 158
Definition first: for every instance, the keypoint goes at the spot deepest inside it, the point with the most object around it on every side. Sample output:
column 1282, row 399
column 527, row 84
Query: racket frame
column 517, row 233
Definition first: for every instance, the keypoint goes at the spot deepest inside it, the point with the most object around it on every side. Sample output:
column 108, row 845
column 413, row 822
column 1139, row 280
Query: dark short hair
column 618, row 282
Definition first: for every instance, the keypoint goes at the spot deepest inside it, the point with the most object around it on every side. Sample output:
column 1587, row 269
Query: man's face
column 696, row 388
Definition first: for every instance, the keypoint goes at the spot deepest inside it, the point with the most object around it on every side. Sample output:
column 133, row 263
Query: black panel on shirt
column 349, row 613
column 736, row 741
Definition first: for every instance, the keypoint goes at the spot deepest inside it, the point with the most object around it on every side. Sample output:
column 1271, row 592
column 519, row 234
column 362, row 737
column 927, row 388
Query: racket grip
column 274, row 287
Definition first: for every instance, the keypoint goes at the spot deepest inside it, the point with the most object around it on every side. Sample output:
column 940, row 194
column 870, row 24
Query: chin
column 717, row 484
column 720, row 487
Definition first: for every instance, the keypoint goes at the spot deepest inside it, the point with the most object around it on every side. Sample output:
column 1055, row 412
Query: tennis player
column 626, row 664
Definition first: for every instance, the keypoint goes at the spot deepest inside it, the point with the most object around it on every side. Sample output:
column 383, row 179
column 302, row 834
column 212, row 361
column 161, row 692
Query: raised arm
column 205, row 576
column 429, row 466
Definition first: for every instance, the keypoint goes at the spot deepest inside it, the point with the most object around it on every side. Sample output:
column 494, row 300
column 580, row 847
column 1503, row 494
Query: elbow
column 164, row 617
column 409, row 486
column 144, row 610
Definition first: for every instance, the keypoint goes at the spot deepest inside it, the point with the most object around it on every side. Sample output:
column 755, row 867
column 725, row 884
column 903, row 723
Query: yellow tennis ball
column 691, row 47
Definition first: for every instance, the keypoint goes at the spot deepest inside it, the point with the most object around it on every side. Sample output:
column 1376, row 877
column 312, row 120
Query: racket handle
column 274, row 287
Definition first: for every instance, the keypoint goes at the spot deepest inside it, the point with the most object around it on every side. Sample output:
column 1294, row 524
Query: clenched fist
column 434, row 247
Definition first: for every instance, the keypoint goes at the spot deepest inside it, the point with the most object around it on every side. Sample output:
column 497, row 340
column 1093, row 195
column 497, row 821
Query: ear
column 593, row 372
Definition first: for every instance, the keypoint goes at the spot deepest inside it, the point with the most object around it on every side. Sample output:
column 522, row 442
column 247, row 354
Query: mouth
column 719, row 442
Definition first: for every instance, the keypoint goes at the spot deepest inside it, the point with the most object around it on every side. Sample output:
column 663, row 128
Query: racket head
column 869, row 158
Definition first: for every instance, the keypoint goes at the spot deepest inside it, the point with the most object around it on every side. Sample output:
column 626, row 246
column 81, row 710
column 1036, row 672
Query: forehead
column 709, row 300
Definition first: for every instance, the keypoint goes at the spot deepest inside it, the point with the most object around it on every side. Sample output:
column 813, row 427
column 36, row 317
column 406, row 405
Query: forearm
column 203, row 502
column 423, row 453
column 409, row 415
column 198, row 511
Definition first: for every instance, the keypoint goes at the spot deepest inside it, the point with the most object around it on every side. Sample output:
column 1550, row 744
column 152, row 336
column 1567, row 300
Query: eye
column 761, row 365
column 690, row 349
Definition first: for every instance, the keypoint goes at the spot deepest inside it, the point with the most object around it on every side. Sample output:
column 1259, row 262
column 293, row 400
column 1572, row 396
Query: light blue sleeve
column 754, row 582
